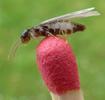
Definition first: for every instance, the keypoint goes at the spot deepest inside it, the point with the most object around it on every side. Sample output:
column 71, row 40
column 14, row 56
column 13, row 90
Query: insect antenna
column 14, row 48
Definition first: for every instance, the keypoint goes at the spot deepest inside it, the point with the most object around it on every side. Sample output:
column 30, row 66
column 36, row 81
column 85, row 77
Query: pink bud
column 57, row 65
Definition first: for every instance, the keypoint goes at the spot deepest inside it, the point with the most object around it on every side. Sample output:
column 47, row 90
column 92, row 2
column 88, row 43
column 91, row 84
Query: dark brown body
column 54, row 28
column 44, row 30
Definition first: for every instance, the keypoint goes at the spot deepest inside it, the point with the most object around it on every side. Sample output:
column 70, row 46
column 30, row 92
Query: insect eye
column 25, row 37
column 25, row 33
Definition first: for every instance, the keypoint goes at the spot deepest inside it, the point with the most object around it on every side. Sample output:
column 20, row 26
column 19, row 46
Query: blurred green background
column 20, row 78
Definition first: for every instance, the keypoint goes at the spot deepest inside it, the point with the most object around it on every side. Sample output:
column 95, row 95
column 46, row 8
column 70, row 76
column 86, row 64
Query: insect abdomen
column 65, row 27
column 60, row 28
column 78, row 27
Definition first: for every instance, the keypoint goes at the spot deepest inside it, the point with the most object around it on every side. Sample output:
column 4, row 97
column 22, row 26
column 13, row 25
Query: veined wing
column 78, row 14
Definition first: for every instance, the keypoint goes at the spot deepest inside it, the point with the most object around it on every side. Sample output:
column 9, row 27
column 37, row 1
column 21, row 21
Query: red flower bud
column 57, row 65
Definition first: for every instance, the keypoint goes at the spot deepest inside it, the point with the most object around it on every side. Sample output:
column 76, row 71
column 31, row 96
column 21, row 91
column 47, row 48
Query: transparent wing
column 78, row 14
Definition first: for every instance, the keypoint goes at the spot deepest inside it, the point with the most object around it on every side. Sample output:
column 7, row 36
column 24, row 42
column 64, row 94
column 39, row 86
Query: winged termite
column 55, row 26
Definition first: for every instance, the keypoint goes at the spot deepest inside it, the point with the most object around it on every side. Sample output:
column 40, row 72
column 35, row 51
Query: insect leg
column 64, row 34
column 50, row 34
column 63, row 29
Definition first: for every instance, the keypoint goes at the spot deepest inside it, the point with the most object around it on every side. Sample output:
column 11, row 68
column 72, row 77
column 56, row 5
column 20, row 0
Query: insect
column 55, row 26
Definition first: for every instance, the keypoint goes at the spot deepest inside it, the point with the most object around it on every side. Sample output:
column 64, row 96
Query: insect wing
column 78, row 14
